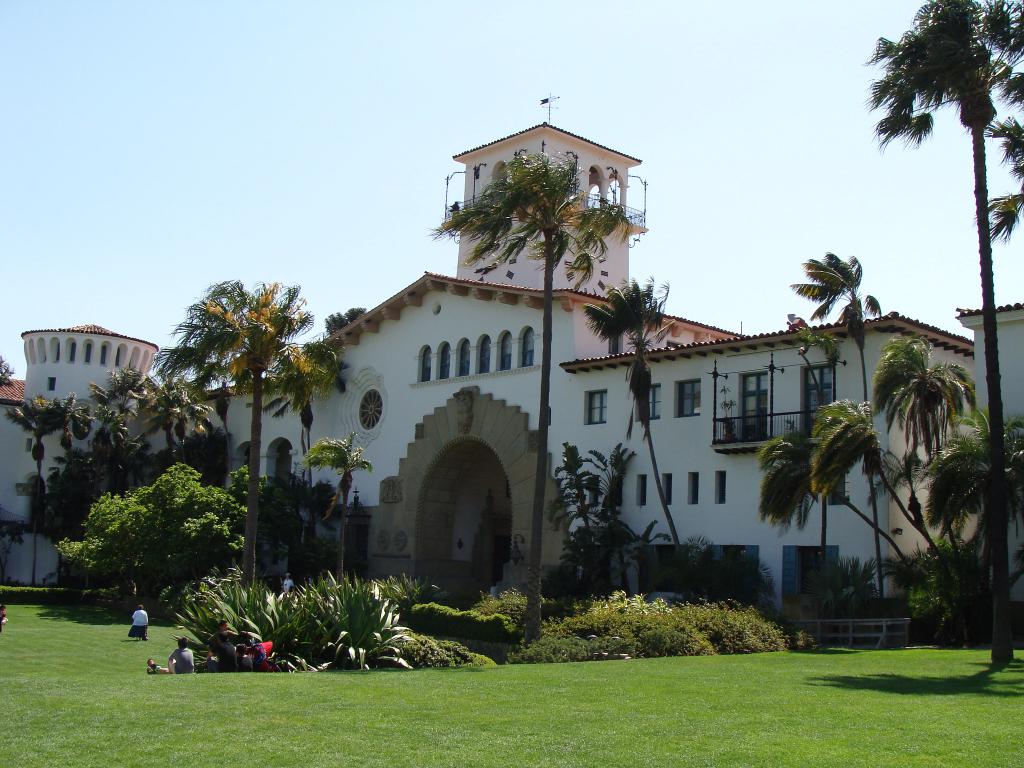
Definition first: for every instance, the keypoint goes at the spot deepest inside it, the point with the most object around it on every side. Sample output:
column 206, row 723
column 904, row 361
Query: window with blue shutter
column 789, row 570
column 831, row 553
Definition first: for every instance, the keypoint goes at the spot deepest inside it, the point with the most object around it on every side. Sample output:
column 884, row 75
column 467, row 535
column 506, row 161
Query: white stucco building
column 443, row 381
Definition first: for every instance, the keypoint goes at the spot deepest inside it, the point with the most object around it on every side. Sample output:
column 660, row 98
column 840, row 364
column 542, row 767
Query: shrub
column 435, row 619
column 55, row 596
column 844, row 587
column 405, row 591
column 700, row 571
column 422, row 651
column 687, row 630
column 511, row 603
column 553, row 650
column 735, row 629
column 326, row 624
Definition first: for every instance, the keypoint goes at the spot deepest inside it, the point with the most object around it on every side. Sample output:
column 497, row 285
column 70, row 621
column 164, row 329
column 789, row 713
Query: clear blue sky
column 148, row 149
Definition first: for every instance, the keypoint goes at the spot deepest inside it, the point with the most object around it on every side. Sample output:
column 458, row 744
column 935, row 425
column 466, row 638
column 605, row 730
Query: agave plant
column 405, row 591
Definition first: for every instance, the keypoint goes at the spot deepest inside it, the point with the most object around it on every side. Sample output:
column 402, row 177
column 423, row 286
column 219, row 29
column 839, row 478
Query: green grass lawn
column 74, row 693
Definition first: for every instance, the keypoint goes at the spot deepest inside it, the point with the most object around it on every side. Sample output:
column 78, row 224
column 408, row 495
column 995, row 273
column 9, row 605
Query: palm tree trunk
column 1002, row 633
column 37, row 502
column 824, row 525
column 339, row 570
column 533, row 575
column 661, row 491
column 880, row 582
column 883, row 534
column 252, row 499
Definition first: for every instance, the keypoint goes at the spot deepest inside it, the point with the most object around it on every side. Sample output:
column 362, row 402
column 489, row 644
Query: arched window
column 41, row 350
column 104, row 353
column 118, row 355
column 613, row 189
column 425, row 364
column 483, row 355
column 444, row 361
column 55, row 350
column 464, row 357
column 526, row 348
column 505, row 351
column 72, row 349
column 88, row 352
column 595, row 184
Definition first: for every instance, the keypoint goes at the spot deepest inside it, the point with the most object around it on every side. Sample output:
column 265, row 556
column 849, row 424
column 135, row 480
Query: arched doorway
column 465, row 518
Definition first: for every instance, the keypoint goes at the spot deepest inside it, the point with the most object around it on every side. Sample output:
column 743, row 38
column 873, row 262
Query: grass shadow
column 93, row 614
column 981, row 682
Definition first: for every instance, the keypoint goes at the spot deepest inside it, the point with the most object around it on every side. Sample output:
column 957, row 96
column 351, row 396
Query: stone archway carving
column 467, row 416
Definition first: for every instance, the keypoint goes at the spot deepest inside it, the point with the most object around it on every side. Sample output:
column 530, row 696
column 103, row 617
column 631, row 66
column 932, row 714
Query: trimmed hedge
column 422, row 651
column 555, row 650
column 435, row 619
column 54, row 595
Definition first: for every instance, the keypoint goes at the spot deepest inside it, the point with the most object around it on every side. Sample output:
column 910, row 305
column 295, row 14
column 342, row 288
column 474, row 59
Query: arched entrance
column 468, row 475
column 464, row 524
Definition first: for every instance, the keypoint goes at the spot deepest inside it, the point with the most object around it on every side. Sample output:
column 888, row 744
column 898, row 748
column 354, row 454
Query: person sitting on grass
column 243, row 659
column 221, row 654
column 180, row 662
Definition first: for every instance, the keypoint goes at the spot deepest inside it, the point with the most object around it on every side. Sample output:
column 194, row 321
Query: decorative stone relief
column 383, row 540
column 391, row 490
column 401, row 541
column 464, row 410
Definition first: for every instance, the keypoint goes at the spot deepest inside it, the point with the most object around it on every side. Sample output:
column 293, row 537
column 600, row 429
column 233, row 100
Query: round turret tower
column 59, row 361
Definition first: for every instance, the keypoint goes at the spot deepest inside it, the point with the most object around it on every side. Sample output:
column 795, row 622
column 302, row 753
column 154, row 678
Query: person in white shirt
column 287, row 584
column 140, row 624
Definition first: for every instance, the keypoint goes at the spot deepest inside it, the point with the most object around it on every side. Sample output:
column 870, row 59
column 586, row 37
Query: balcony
column 637, row 219
column 744, row 434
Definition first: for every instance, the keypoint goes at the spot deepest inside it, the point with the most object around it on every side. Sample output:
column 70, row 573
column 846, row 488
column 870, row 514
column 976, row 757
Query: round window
column 370, row 409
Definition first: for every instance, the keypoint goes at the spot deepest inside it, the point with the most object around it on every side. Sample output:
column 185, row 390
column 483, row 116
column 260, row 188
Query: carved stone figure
column 391, row 490
column 464, row 410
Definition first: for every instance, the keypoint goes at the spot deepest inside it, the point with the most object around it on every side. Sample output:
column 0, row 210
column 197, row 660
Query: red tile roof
column 90, row 328
column 975, row 312
column 552, row 127
column 423, row 284
column 891, row 322
column 13, row 393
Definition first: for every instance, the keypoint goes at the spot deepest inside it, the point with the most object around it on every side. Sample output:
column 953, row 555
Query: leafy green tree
column 963, row 54
column 6, row 372
column 923, row 398
column 833, row 282
column 36, row 418
column 345, row 458
column 637, row 313
column 338, row 320
column 535, row 205
column 242, row 336
column 71, row 490
column 11, row 532
column 175, row 530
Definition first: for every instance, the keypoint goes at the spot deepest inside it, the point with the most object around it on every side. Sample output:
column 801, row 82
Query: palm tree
column 37, row 418
column 962, row 471
column 345, row 458
column 924, row 399
column 535, row 205
column 789, row 487
column 833, row 282
column 637, row 313
column 846, row 436
column 232, row 333
column 962, row 54
column 173, row 404
column 126, row 392
column 307, row 373
column 72, row 420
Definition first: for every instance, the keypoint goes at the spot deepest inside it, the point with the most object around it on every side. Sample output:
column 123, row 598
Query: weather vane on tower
column 549, row 102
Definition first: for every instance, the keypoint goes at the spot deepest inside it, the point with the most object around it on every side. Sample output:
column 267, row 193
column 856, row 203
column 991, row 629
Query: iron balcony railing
column 758, row 427
column 636, row 218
